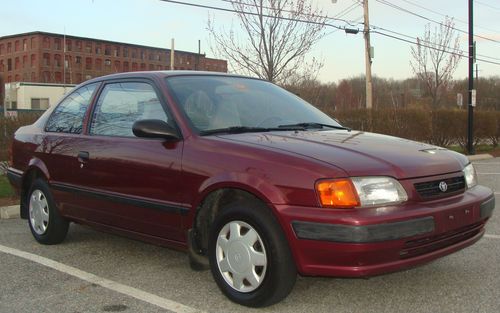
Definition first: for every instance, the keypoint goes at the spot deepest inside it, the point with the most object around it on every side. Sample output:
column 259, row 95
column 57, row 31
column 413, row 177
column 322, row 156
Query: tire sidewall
column 272, row 237
column 51, row 234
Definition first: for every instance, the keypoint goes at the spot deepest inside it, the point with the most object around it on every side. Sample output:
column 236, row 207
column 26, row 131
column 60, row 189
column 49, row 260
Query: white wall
column 23, row 93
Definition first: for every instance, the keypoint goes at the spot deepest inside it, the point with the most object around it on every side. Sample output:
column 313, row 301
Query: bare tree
column 435, row 58
column 273, row 38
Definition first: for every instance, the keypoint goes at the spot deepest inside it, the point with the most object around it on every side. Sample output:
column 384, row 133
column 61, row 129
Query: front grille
column 431, row 189
column 429, row 244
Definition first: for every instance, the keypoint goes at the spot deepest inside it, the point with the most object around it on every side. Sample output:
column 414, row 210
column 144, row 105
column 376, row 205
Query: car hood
column 361, row 153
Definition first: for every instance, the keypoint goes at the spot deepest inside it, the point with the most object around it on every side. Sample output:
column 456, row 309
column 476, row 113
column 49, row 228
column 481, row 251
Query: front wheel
column 46, row 224
column 249, row 255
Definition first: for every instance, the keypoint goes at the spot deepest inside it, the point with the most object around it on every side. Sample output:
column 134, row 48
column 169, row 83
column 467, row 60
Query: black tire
column 279, row 274
column 52, row 228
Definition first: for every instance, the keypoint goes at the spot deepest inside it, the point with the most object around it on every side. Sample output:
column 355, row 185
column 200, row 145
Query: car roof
column 160, row 74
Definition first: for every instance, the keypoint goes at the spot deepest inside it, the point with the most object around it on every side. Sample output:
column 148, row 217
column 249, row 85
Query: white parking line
column 492, row 236
column 103, row 282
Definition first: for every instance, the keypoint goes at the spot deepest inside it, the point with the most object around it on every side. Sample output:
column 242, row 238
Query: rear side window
column 69, row 114
column 121, row 104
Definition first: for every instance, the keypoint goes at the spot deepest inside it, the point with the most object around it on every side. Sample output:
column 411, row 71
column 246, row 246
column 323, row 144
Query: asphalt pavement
column 98, row 272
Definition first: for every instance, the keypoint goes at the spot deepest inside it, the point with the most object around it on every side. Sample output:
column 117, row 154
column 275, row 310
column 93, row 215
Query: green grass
column 6, row 190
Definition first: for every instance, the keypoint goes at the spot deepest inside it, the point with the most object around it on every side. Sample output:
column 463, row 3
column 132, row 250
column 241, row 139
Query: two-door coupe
column 248, row 178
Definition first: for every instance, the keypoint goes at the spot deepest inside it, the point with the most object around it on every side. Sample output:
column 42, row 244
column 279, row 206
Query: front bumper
column 372, row 241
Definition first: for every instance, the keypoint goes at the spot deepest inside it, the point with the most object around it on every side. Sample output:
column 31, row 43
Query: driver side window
column 121, row 104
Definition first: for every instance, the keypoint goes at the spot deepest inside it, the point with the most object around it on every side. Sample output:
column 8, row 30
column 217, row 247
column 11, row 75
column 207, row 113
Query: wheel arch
column 36, row 169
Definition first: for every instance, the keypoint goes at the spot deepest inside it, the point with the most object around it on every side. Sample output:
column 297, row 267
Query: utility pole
column 368, row 57
column 470, row 119
column 172, row 55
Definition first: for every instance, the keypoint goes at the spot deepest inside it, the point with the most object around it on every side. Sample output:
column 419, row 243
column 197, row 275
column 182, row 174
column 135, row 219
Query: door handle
column 83, row 156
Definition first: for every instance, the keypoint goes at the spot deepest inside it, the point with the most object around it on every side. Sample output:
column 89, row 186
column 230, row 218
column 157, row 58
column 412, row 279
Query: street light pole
column 471, row 104
column 368, row 57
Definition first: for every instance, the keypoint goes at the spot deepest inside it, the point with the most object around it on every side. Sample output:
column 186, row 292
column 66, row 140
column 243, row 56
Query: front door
column 128, row 182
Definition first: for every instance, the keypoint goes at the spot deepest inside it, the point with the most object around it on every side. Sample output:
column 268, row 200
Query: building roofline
column 41, row 84
column 95, row 39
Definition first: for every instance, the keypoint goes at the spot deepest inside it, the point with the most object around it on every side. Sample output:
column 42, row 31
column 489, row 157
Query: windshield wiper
column 234, row 130
column 309, row 125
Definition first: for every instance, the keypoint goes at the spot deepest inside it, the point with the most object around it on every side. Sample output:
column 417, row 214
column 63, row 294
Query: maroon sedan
column 249, row 179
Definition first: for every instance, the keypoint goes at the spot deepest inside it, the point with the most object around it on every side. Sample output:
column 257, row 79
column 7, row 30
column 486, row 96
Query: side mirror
column 154, row 129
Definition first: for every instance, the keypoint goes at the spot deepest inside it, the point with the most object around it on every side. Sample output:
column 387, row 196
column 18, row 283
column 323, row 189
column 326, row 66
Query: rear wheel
column 46, row 224
column 249, row 255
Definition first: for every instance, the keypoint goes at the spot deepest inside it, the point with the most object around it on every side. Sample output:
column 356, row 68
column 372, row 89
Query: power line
column 394, row 6
column 430, row 47
column 487, row 5
column 327, row 24
column 444, row 15
column 430, row 43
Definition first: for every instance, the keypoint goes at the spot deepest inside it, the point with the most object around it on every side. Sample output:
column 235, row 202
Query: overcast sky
column 154, row 23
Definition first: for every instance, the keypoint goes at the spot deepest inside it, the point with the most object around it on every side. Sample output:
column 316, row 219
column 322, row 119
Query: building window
column 134, row 54
column 87, row 77
column 25, row 60
column 143, row 55
column 9, row 79
column 88, row 47
column 17, row 45
column 46, row 59
column 46, row 42
column 9, row 64
column 2, row 47
column 9, row 47
column 17, row 65
column 78, row 45
column 79, row 78
column 107, row 50
column 143, row 66
column 33, row 77
column 97, row 49
column 33, row 43
column 88, row 63
column 98, row 64
column 57, row 60
column 69, row 45
column 58, row 77
column 134, row 66
column 78, row 60
column 117, row 66
column 125, row 66
column 125, row 52
column 57, row 43
column 158, row 67
column 46, row 77
column 33, row 60
column 151, row 67
column 39, row 103
column 2, row 66
column 17, row 78
column 107, row 62
column 116, row 52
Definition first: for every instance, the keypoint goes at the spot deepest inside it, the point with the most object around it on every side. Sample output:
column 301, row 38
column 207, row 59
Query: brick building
column 40, row 57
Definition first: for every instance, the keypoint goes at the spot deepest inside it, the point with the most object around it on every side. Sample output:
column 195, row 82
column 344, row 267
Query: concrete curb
column 9, row 212
column 478, row 157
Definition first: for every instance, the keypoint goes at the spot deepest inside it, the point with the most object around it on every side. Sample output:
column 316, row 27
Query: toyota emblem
column 443, row 186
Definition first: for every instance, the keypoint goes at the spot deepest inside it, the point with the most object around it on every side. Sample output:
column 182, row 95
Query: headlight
column 360, row 192
column 470, row 176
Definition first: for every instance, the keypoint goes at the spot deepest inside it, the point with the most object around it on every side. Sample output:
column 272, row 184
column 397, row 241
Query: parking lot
column 98, row 272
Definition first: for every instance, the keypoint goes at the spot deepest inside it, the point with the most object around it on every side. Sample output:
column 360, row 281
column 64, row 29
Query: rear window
column 69, row 114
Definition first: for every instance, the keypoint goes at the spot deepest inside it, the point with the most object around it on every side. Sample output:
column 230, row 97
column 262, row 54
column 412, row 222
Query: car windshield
column 233, row 104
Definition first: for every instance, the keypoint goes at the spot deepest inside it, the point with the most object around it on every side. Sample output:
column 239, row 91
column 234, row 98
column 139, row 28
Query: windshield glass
column 218, row 102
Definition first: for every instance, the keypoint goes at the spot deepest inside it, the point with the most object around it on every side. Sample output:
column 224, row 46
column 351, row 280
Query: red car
column 249, row 179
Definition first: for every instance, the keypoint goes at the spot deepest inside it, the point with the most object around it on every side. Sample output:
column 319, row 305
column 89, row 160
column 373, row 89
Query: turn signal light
column 338, row 193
